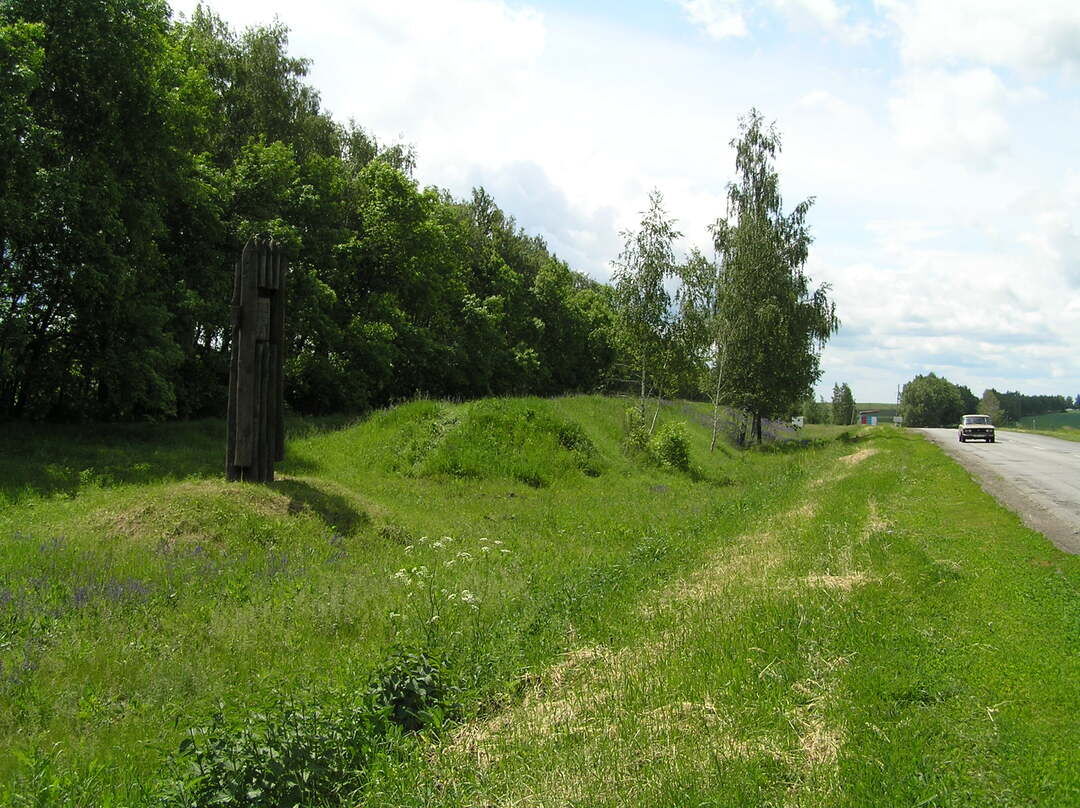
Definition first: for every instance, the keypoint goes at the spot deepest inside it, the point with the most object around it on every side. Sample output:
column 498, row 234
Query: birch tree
column 643, row 303
column 770, row 323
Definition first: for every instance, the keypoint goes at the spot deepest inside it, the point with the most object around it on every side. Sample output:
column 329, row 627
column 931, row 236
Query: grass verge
column 493, row 603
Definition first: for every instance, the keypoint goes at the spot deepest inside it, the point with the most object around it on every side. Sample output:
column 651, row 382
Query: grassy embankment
column 1064, row 425
column 847, row 623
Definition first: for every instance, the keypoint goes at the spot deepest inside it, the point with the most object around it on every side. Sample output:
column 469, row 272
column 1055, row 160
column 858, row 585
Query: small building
column 868, row 417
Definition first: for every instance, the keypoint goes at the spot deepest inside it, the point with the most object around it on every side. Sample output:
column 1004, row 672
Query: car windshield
column 976, row 419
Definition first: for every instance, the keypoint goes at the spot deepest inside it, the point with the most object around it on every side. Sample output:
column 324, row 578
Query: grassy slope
column 777, row 628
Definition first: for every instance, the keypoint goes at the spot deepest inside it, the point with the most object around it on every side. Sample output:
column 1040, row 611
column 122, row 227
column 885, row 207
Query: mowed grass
column 847, row 622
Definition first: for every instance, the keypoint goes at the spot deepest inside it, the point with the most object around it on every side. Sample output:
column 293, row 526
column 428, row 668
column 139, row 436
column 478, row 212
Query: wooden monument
column 256, row 436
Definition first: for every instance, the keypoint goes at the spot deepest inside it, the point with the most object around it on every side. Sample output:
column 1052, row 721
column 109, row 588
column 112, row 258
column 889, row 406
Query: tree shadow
column 334, row 509
column 39, row 460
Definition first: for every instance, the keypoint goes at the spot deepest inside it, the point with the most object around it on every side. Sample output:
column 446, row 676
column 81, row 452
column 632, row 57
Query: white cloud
column 999, row 33
column 723, row 19
column 720, row 19
column 569, row 119
column 959, row 115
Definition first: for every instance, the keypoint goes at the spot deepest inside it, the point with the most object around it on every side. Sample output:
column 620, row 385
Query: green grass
column 1053, row 420
column 844, row 622
column 1064, row 425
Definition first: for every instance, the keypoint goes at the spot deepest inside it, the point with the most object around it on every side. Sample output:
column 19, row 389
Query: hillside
column 494, row 603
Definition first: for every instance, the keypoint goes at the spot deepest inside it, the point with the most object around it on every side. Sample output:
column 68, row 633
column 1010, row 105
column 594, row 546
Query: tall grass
column 489, row 603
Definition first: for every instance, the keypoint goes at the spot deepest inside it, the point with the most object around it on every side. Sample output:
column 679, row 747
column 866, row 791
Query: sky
column 940, row 140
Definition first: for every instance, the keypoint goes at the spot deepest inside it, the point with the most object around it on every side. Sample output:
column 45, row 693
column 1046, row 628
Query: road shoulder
column 1063, row 535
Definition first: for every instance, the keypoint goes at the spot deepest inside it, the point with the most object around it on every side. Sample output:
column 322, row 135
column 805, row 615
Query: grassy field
column 1065, row 425
column 497, row 603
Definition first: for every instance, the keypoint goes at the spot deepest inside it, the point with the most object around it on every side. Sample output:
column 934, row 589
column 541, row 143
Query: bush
column 291, row 754
column 670, row 446
column 637, row 434
column 414, row 690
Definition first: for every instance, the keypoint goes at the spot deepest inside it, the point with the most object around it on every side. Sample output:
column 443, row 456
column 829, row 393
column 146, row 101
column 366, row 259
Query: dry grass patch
column 190, row 512
column 819, row 743
column 859, row 456
column 845, row 582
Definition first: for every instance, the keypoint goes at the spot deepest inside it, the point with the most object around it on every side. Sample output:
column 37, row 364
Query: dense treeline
column 1016, row 405
column 139, row 153
column 933, row 400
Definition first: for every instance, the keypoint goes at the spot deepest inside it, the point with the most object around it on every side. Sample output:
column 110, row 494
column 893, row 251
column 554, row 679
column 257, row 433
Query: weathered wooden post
column 256, row 436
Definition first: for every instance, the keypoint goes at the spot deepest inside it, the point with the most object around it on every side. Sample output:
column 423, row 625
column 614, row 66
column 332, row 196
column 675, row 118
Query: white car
column 975, row 427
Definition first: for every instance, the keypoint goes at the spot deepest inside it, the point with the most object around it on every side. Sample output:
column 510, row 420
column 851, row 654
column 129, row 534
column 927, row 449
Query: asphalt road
column 1036, row 476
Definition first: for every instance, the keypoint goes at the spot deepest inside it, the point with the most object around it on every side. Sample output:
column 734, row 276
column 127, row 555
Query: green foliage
column 1018, row 406
column 770, row 324
column 596, row 638
column 843, row 405
column 990, row 405
column 635, row 431
column 646, row 329
column 815, row 412
column 415, row 689
column 501, row 438
column 285, row 755
column 141, row 153
column 931, row 400
column 670, row 446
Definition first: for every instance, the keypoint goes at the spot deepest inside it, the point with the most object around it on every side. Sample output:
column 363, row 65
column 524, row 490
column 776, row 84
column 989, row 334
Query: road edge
column 1060, row 533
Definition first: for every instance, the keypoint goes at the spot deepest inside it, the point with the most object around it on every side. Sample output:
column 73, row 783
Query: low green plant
column 635, row 431
column 670, row 446
column 416, row 689
column 286, row 755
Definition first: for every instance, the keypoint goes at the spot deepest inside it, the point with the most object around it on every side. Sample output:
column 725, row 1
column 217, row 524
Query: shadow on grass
column 48, row 460
column 334, row 509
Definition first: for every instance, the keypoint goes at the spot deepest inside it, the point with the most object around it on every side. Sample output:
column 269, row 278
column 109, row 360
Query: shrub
column 670, row 446
column 637, row 434
column 414, row 689
column 291, row 754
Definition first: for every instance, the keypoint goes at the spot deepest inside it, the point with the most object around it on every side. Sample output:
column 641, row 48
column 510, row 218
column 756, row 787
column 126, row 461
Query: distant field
column 501, row 603
column 1054, row 420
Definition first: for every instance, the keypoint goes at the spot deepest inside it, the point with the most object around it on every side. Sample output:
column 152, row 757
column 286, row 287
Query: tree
column 990, row 405
column 968, row 401
column 642, row 302
column 97, row 116
column 843, row 405
column 770, row 324
column 813, row 412
column 931, row 400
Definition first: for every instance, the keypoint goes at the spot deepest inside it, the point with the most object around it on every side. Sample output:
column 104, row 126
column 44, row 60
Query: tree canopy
column 931, row 400
column 769, row 325
column 843, row 405
column 140, row 153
